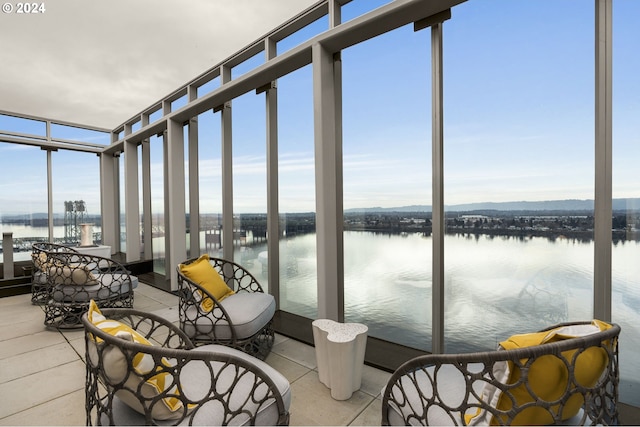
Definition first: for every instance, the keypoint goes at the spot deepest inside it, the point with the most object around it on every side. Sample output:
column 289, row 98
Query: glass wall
column 76, row 195
column 626, row 194
column 210, row 184
column 519, row 169
column 387, row 185
column 23, row 207
column 250, row 184
column 296, row 191
column 156, row 147
column 122, row 206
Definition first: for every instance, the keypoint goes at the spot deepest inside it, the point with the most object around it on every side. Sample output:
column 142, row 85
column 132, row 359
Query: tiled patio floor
column 42, row 371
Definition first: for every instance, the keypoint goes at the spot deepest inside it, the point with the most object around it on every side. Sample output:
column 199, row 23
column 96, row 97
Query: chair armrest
column 186, row 292
column 236, row 276
column 152, row 327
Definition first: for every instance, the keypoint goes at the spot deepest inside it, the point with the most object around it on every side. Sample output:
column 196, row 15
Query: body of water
column 494, row 287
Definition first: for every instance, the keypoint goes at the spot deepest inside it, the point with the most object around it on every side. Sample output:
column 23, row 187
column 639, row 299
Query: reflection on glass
column 387, row 185
column 79, row 134
column 210, row 184
column 157, row 203
column 23, row 206
column 626, row 194
column 297, row 204
column 249, row 185
column 517, row 128
column 76, row 195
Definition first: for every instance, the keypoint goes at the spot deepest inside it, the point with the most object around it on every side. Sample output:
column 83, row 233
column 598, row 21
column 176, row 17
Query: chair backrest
column 40, row 256
column 572, row 380
column 40, row 252
column 199, row 387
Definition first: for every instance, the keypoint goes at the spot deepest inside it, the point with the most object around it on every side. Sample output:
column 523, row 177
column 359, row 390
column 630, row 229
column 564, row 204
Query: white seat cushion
column 249, row 312
column 85, row 293
column 195, row 381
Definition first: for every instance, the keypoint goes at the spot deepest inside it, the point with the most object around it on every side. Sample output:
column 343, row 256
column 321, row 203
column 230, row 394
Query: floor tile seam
column 43, row 369
column 363, row 411
column 41, row 372
column 28, row 351
column 315, row 368
column 38, row 404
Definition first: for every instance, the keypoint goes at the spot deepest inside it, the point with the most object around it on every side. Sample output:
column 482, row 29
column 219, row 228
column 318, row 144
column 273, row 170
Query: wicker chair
column 74, row 279
column 242, row 320
column 461, row 389
column 208, row 385
column 40, row 257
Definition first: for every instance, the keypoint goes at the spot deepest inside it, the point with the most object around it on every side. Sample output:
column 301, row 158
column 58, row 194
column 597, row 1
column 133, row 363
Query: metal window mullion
column 438, row 218
column 131, row 201
column 194, row 189
column 227, row 171
column 50, row 191
column 328, row 170
column 602, row 286
column 273, row 209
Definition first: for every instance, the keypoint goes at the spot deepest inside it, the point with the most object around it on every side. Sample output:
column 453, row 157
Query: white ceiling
column 99, row 62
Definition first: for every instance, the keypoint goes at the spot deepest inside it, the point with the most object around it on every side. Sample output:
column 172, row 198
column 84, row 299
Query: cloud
column 101, row 62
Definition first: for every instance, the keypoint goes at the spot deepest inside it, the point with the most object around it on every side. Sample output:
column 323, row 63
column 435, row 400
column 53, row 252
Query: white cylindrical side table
column 340, row 351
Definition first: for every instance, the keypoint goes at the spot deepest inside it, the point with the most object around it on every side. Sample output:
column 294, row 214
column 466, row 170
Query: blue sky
column 519, row 118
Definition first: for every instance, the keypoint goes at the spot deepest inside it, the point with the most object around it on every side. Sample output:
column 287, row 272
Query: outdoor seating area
column 42, row 381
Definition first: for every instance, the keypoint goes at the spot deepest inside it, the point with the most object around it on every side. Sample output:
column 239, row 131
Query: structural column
column 328, row 165
column 437, row 218
column 109, row 203
column 603, row 157
column 194, row 190
column 175, row 225
column 273, row 209
column 227, row 171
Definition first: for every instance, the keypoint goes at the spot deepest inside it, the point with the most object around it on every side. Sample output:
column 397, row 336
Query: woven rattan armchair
column 41, row 262
column 242, row 320
column 74, row 279
column 579, row 385
column 208, row 385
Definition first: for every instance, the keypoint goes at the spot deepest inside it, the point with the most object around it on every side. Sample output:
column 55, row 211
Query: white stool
column 340, row 355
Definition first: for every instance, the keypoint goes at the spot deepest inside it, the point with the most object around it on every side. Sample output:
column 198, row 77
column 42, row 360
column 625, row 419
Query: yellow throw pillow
column 202, row 272
column 115, row 369
column 548, row 377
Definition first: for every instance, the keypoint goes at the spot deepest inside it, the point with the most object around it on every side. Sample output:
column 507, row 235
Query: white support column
column 176, row 229
column 438, row 218
column 227, row 172
column 109, row 201
column 603, row 162
column 146, row 200
column 194, row 190
column 273, row 210
column 50, row 191
column 131, row 201
column 328, row 164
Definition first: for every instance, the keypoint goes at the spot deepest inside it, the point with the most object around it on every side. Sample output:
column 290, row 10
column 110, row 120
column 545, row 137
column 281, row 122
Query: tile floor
column 42, row 371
